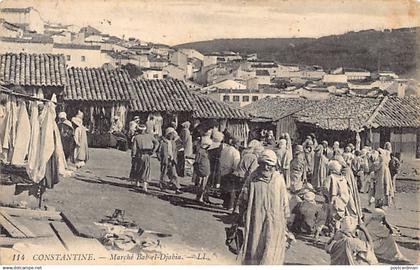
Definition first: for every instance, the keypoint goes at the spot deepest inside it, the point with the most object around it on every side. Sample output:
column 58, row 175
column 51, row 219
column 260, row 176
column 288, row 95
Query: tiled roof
column 276, row 108
column 29, row 39
column 340, row 112
column 399, row 112
column 32, row 69
column 76, row 46
column 16, row 10
column 210, row 108
column 98, row 84
column 161, row 95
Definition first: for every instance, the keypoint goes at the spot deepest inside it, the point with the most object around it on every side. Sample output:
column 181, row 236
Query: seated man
column 310, row 217
column 345, row 248
column 117, row 131
column 383, row 241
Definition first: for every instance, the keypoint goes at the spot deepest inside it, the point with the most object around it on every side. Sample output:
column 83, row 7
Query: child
column 202, row 168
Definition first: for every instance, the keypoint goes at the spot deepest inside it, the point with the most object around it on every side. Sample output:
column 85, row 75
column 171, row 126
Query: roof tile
column 32, row 69
column 97, row 84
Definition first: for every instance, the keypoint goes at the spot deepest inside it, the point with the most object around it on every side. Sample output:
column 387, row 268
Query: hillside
column 390, row 50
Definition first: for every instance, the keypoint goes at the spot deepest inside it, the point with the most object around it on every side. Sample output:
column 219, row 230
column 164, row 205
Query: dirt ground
column 99, row 188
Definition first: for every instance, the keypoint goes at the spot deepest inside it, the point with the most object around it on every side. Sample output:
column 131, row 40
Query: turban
column 334, row 166
column 282, row 143
column 348, row 224
column 254, row 143
column 218, row 136
column 62, row 115
column 169, row 130
column 299, row 149
column 186, row 124
column 268, row 157
column 309, row 196
column 77, row 121
column 206, row 141
column 142, row 127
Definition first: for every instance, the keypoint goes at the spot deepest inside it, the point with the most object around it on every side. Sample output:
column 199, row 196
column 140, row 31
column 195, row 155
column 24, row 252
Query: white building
column 78, row 55
column 243, row 97
column 29, row 18
column 36, row 44
column 192, row 53
column 225, row 84
column 152, row 73
column 334, row 78
column 356, row 74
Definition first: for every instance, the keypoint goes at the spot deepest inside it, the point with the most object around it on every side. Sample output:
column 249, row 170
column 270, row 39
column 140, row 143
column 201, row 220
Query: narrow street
column 99, row 188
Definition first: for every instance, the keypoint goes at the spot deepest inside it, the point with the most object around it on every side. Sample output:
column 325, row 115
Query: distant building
column 243, row 97
column 353, row 74
column 244, row 74
column 29, row 43
column 28, row 18
column 161, row 49
column 209, row 60
column 225, row 84
column 152, row 74
column 192, row 53
column 8, row 29
column 270, row 68
column 179, row 59
column 174, row 72
column 78, row 55
column 334, row 78
column 263, row 77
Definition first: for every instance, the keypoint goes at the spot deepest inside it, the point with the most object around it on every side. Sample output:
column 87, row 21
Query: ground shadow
column 103, row 182
column 227, row 219
column 310, row 241
column 409, row 245
column 190, row 203
column 406, row 227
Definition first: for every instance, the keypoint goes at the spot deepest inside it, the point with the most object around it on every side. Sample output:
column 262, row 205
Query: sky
column 179, row 21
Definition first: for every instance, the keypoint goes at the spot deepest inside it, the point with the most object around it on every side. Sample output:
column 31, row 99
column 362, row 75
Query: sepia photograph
column 193, row 132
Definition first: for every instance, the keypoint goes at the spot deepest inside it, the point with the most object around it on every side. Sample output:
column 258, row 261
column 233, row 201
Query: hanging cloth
column 23, row 131
column 34, row 142
column 3, row 122
column 222, row 125
column 10, row 128
column 47, row 142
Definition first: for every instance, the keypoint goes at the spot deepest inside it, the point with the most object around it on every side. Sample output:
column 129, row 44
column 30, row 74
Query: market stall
column 101, row 95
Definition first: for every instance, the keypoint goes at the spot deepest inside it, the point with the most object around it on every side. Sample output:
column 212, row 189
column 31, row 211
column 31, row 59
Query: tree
column 133, row 70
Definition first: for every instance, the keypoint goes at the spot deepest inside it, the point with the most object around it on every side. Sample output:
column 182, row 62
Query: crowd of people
column 310, row 188
column 273, row 189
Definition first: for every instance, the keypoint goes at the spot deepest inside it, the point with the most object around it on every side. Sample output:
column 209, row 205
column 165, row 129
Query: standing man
column 81, row 154
column 297, row 169
column 144, row 145
column 202, row 169
column 150, row 125
column 67, row 135
column 133, row 127
column 230, row 184
column 186, row 148
column 267, row 210
column 168, row 161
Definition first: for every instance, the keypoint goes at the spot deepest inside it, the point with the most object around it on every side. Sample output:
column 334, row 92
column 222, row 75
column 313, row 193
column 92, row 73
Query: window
column 235, row 98
column 245, row 98
column 68, row 57
column 254, row 98
column 226, row 98
column 83, row 58
column 155, row 76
